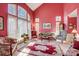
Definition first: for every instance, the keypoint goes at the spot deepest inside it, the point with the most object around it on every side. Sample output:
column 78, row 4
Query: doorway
column 72, row 21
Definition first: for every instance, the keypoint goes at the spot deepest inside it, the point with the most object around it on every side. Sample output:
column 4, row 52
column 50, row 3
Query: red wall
column 3, row 12
column 47, row 13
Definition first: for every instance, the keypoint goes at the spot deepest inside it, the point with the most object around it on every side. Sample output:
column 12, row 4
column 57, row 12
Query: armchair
column 6, row 46
column 62, row 35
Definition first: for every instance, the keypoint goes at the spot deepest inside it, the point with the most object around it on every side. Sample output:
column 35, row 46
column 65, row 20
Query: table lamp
column 74, row 31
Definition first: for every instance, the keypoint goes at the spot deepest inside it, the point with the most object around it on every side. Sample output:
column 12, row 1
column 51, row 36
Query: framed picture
column 46, row 25
column 58, row 18
column 1, row 23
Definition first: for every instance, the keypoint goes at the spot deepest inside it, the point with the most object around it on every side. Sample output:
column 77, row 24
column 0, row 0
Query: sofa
column 46, row 36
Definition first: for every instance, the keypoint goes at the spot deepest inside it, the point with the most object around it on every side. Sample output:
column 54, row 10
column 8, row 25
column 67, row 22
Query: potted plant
column 25, row 37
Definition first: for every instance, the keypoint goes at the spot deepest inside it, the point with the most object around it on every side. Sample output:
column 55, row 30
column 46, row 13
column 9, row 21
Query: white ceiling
column 34, row 6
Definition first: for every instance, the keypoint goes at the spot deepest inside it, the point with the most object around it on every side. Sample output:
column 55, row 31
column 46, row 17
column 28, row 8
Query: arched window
column 17, row 21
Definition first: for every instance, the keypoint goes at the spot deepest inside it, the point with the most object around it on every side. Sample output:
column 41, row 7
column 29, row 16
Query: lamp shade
column 74, row 31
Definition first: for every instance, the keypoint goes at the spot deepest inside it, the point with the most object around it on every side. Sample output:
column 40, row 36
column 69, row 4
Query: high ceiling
column 34, row 6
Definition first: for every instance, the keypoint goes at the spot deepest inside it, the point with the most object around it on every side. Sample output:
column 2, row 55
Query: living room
column 39, row 29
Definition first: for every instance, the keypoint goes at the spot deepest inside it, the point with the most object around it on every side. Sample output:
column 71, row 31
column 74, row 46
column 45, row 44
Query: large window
column 12, row 9
column 58, row 20
column 37, row 25
column 12, row 26
column 29, row 26
column 22, row 21
column 12, row 23
column 21, row 12
column 22, row 27
column 17, row 21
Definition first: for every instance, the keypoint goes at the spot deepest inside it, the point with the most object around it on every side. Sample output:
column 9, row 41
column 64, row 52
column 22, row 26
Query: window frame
column 16, row 16
column 23, row 10
column 15, row 10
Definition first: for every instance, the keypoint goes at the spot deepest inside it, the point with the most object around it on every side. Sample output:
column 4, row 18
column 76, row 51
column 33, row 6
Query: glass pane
column 37, row 28
column 22, row 27
column 12, row 28
column 29, row 26
column 21, row 12
column 12, row 9
column 57, row 28
column 29, row 29
column 58, row 18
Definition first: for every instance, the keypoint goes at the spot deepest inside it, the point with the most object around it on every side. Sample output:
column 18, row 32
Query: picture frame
column 1, row 22
column 58, row 18
column 46, row 25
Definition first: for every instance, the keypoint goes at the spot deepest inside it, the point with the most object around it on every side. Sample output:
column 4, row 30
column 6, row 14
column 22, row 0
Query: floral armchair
column 62, row 35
